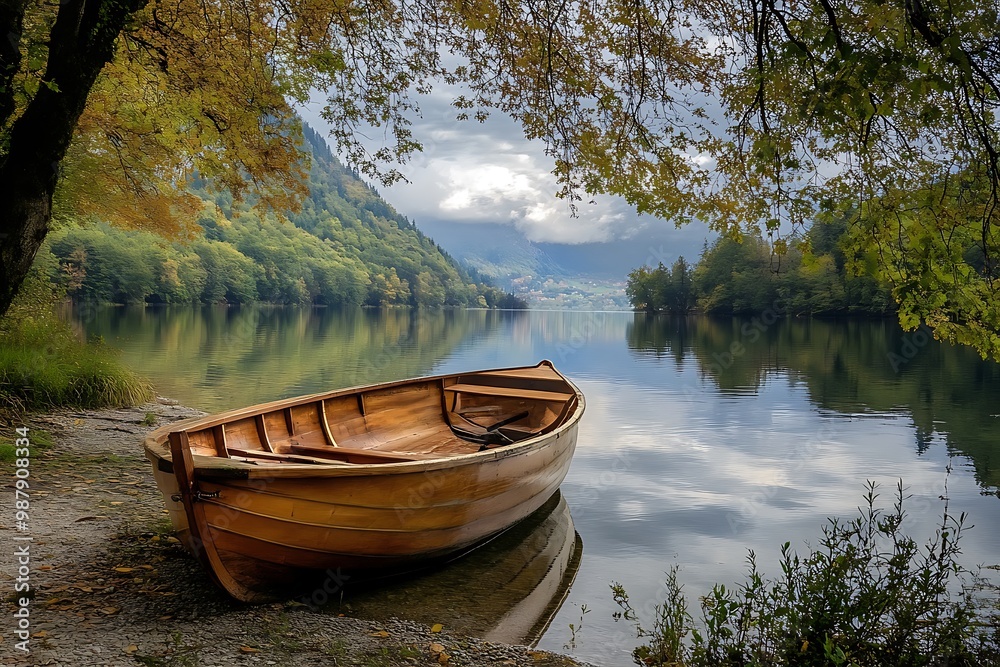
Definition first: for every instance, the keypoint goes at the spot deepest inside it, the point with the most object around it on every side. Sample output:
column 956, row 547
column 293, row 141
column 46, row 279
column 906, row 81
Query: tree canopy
column 753, row 116
column 748, row 278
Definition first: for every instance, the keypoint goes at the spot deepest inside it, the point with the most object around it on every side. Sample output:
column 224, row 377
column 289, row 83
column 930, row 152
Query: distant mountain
column 496, row 251
column 502, row 252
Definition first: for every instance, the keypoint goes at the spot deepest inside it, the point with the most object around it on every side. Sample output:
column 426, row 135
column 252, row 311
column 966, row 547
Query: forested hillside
column 345, row 247
column 814, row 276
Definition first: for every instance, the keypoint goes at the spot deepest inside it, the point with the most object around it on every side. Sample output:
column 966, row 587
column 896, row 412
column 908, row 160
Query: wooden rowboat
column 381, row 476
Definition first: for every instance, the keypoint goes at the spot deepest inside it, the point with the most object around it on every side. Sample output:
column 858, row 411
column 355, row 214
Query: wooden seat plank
column 274, row 456
column 358, row 455
column 540, row 373
column 509, row 392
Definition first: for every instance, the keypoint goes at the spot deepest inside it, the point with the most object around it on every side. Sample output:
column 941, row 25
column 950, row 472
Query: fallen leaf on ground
column 123, row 570
column 437, row 627
column 249, row 649
column 131, row 648
column 380, row 633
column 436, row 648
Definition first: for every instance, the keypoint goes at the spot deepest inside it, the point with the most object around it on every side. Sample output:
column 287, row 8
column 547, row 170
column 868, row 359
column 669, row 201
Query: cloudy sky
column 472, row 172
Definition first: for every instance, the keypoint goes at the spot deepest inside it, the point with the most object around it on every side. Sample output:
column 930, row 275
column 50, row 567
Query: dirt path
column 111, row 586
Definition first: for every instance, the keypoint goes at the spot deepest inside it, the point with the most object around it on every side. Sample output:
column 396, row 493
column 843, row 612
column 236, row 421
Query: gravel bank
column 113, row 587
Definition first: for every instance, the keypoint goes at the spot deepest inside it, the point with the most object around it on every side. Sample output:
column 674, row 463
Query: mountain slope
column 346, row 246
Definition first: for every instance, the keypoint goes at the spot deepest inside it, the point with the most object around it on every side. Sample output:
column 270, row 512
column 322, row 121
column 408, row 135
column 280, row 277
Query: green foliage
column 747, row 276
column 345, row 247
column 662, row 288
column 43, row 364
column 739, row 277
column 866, row 595
column 881, row 109
column 507, row 301
column 883, row 113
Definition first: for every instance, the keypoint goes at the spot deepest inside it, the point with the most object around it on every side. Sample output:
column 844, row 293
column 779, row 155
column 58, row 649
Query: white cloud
column 489, row 173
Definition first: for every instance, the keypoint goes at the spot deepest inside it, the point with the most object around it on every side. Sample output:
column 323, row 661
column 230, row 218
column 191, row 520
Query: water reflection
column 214, row 358
column 702, row 438
column 506, row 591
column 852, row 368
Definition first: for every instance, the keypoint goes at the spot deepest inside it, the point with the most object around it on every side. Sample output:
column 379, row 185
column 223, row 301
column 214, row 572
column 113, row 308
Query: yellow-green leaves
column 750, row 116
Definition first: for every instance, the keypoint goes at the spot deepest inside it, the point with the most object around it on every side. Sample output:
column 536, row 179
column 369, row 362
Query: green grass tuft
column 40, row 441
column 44, row 364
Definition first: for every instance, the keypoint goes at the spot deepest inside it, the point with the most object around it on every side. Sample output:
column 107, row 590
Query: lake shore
column 113, row 587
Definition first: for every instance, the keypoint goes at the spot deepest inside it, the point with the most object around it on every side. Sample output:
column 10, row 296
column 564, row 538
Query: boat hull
column 266, row 530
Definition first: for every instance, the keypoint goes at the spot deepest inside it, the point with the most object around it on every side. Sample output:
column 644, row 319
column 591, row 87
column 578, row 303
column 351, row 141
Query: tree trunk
column 82, row 40
column 25, row 212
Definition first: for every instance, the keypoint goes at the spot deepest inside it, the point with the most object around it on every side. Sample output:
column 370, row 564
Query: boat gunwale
column 157, row 446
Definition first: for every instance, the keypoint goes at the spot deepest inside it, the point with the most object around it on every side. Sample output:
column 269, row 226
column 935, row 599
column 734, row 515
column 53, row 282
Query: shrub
column 867, row 596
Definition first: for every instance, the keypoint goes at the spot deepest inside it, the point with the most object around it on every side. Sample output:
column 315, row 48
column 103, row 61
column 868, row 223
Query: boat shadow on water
column 506, row 590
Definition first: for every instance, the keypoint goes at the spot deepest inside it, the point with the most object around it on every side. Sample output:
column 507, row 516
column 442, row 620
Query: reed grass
column 45, row 365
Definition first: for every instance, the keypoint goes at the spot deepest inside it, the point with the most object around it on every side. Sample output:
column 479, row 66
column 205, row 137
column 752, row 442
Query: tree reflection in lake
column 216, row 357
column 850, row 367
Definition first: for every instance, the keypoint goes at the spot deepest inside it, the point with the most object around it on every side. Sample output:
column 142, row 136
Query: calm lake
column 702, row 439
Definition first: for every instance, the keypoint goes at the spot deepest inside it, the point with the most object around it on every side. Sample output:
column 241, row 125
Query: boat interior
column 412, row 421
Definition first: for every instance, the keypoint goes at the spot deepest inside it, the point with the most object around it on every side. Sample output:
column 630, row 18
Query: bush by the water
column 44, row 364
column 866, row 596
